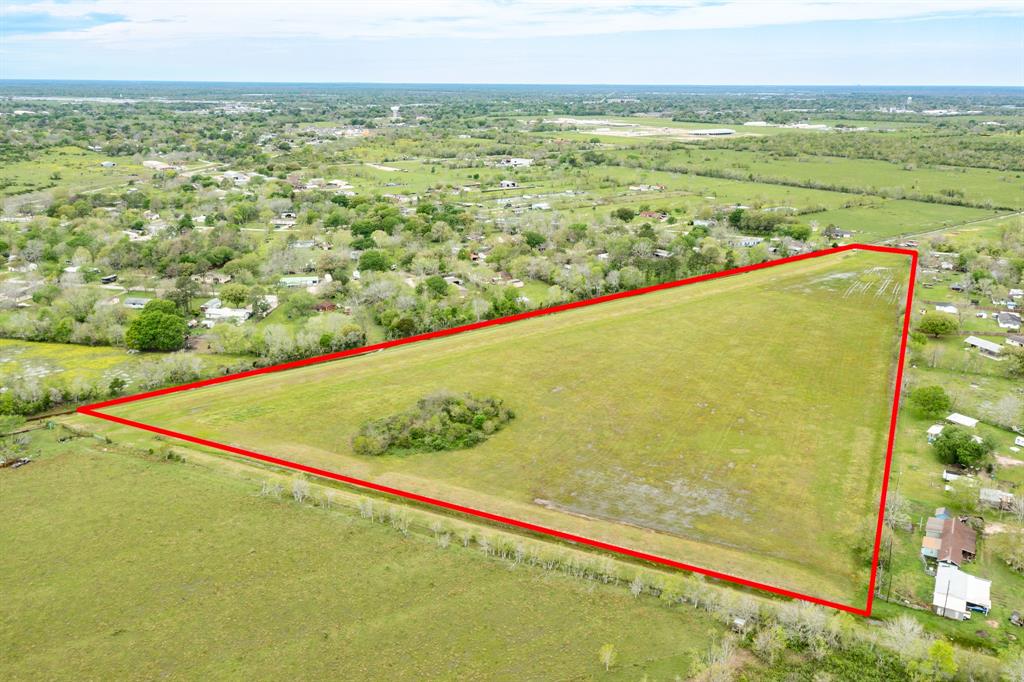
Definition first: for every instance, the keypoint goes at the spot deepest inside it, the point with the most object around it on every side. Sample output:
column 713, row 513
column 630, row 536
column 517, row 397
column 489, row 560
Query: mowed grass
column 121, row 567
column 737, row 425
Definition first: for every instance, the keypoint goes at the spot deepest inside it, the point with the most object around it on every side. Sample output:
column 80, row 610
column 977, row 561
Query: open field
column 735, row 402
column 75, row 168
column 142, row 568
column 894, row 217
column 977, row 185
column 66, row 363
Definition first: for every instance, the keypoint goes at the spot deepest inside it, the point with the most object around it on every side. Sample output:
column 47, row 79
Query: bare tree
column 300, row 489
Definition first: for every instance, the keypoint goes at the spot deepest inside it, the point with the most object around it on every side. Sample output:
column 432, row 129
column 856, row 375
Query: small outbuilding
column 962, row 420
column 986, row 348
column 958, row 594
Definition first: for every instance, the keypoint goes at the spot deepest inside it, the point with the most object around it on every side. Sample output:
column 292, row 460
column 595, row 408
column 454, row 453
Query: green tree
column 156, row 329
column 184, row 291
column 534, row 239
column 244, row 212
column 235, row 295
column 299, row 305
column 938, row 325
column 374, row 259
column 436, row 285
column 624, row 214
column 939, row 665
column 932, row 401
column 1015, row 367
column 958, row 446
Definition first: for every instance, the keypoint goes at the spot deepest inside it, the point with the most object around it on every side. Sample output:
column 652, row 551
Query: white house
column 214, row 315
column 986, row 348
column 957, row 594
column 1015, row 341
column 136, row 303
column 962, row 420
column 508, row 184
column 946, row 308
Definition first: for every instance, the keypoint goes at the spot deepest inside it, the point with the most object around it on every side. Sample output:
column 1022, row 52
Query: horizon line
column 514, row 84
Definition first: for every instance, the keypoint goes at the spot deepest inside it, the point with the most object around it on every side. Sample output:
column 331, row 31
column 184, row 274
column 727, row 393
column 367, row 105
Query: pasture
column 737, row 424
column 71, row 167
column 141, row 568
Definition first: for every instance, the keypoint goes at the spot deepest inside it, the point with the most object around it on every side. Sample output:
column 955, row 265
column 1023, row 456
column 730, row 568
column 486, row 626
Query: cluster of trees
column 443, row 421
column 959, row 446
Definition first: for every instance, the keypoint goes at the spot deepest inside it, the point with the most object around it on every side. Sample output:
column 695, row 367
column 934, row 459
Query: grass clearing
column 141, row 569
column 71, row 167
column 689, row 423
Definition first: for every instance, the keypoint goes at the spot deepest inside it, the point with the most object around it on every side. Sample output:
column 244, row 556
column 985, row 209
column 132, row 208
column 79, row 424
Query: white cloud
column 161, row 24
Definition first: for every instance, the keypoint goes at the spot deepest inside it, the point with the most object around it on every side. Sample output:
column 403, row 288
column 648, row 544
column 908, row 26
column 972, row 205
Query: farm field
column 733, row 403
column 977, row 185
column 144, row 568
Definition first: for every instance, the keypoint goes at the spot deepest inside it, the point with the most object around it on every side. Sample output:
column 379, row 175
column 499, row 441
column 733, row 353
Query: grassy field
column 894, row 217
column 978, row 185
column 75, row 168
column 65, row 363
column 118, row 566
column 690, row 423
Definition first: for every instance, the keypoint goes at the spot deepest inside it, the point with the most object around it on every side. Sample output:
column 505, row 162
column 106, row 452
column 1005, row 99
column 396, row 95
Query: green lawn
column 738, row 424
column 118, row 566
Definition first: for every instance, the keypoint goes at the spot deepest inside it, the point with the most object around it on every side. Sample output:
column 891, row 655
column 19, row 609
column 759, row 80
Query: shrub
column 442, row 421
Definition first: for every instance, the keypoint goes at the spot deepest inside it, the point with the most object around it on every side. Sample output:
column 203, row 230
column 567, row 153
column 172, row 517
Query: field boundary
column 93, row 410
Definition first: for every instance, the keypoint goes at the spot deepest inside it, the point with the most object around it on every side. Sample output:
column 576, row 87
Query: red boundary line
column 93, row 411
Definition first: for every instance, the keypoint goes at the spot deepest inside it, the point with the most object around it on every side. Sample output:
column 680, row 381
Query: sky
column 685, row 42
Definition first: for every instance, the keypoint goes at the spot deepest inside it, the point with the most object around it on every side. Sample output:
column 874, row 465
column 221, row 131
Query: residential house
column 1015, row 340
column 221, row 314
column 662, row 253
column 833, row 232
column 948, row 540
column 946, row 308
column 508, row 184
column 1009, row 321
column 136, row 302
column 958, row 594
